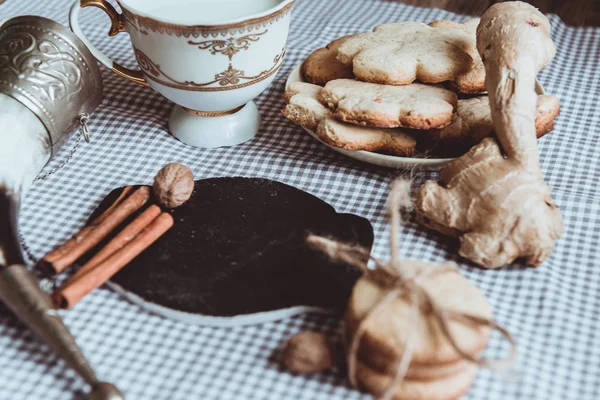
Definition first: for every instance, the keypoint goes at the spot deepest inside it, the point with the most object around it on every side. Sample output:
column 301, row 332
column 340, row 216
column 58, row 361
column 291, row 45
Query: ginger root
column 494, row 197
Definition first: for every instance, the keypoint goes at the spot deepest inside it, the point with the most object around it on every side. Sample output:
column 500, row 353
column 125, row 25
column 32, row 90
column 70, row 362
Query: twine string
column 398, row 281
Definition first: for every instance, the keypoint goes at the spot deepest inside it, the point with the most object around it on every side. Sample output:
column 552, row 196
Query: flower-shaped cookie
column 400, row 53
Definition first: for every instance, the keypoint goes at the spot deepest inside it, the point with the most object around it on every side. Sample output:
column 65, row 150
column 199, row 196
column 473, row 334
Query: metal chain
column 46, row 282
column 83, row 131
column 84, row 118
column 45, row 175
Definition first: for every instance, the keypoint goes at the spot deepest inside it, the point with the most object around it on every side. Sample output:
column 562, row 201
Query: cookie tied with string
column 444, row 388
column 389, row 326
column 386, row 321
column 414, row 330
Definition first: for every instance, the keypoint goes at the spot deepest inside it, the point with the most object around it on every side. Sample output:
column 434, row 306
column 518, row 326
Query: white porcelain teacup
column 210, row 57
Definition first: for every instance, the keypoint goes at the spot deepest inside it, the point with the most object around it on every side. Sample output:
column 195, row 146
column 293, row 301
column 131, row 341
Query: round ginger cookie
column 401, row 53
column 447, row 388
column 548, row 109
column 415, row 106
column 388, row 328
column 386, row 365
column 472, row 121
column 396, row 141
column 304, row 108
column 472, row 81
column 322, row 65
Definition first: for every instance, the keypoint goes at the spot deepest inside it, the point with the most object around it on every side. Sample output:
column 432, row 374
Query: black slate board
column 238, row 247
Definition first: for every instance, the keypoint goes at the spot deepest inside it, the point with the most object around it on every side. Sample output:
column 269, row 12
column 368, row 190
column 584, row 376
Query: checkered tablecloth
column 552, row 310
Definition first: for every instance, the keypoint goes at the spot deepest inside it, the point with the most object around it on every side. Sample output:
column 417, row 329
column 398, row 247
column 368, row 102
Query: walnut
column 173, row 185
column 308, row 352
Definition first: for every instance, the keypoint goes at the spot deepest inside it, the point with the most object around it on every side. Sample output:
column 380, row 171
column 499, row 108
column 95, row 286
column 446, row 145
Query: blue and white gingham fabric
column 553, row 311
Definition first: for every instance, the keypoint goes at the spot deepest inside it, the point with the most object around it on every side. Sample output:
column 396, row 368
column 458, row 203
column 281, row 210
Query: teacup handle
column 117, row 25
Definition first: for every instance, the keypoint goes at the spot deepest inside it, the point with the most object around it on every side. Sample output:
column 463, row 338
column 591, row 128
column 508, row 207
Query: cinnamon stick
column 64, row 256
column 56, row 254
column 75, row 289
column 122, row 239
column 67, row 246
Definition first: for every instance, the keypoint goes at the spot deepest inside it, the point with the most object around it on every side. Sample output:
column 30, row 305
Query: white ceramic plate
column 382, row 159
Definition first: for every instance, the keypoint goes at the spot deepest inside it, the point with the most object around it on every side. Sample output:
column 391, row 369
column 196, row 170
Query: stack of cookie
column 405, row 88
column 436, row 370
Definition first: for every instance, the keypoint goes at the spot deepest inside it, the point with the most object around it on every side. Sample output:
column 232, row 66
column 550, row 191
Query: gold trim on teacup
column 227, row 80
column 141, row 23
column 116, row 19
column 132, row 75
column 117, row 25
column 212, row 114
column 230, row 46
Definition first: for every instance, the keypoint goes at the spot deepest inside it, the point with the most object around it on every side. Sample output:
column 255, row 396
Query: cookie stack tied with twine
column 404, row 89
column 413, row 330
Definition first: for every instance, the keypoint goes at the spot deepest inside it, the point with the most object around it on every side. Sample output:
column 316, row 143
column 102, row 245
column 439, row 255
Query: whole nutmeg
column 308, row 352
column 173, row 185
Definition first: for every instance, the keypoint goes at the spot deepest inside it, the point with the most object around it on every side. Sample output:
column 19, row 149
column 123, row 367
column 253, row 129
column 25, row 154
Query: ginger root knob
column 308, row 352
column 494, row 196
column 173, row 185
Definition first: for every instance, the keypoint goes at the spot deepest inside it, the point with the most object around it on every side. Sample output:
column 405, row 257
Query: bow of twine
column 398, row 280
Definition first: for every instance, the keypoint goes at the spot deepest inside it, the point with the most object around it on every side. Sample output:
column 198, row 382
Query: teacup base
column 210, row 130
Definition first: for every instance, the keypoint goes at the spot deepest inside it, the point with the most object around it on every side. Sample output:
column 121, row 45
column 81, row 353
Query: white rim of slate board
column 213, row 321
column 383, row 160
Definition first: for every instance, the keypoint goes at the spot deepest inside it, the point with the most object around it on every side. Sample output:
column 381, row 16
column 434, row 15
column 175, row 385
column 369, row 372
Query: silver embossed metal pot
column 48, row 82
